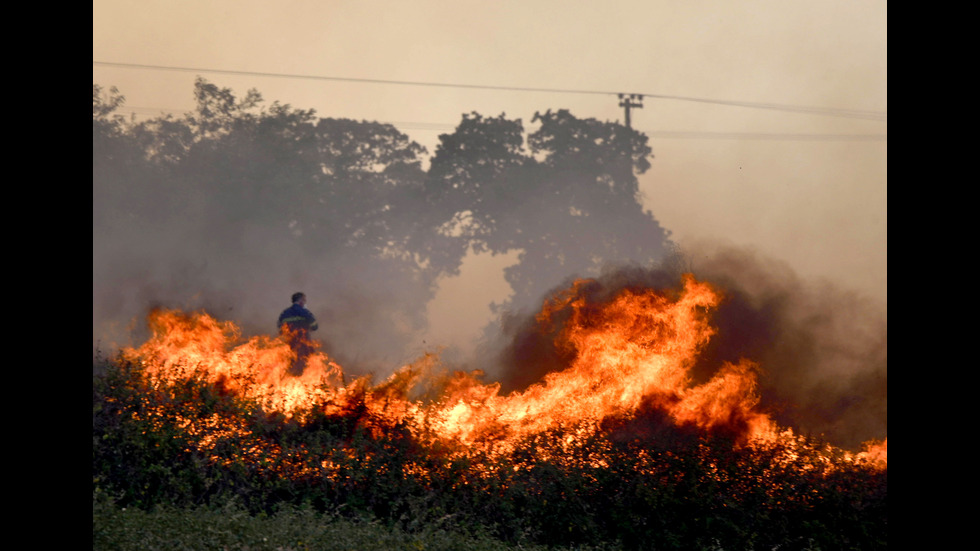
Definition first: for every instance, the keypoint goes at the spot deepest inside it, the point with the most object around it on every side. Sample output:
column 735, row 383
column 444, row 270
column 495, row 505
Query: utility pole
column 626, row 102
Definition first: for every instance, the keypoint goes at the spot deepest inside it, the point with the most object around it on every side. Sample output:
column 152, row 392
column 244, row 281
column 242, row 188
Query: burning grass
column 619, row 447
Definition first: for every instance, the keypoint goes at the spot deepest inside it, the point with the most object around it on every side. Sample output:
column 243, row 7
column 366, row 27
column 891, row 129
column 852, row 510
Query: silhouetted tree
column 235, row 187
column 369, row 173
column 474, row 181
column 590, row 213
column 117, row 160
column 569, row 203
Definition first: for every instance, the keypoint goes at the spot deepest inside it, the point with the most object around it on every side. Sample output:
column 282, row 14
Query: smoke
column 365, row 312
column 822, row 349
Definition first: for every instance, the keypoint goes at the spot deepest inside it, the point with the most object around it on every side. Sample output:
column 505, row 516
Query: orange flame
column 634, row 350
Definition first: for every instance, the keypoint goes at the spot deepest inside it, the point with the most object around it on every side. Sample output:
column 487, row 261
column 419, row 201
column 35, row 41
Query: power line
column 833, row 112
column 768, row 136
column 667, row 134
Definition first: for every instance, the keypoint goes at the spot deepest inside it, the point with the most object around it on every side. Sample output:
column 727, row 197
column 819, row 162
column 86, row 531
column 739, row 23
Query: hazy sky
column 806, row 184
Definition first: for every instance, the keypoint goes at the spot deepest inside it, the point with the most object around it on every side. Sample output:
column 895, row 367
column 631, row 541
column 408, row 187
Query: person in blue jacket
column 295, row 324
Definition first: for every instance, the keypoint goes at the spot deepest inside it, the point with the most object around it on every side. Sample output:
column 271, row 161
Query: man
column 295, row 324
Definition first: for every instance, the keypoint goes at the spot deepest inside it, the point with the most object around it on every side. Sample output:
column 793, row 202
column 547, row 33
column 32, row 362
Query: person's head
column 299, row 298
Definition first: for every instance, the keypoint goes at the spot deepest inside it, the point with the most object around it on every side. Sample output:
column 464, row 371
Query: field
column 232, row 528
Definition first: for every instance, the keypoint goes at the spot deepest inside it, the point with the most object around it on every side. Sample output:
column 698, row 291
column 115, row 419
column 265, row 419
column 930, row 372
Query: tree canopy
column 249, row 186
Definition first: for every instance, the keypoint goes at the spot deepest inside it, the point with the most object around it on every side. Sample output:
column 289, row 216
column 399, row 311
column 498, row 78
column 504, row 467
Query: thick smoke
column 822, row 349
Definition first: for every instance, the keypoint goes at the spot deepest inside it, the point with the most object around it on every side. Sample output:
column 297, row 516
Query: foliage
column 569, row 201
column 230, row 527
column 168, row 449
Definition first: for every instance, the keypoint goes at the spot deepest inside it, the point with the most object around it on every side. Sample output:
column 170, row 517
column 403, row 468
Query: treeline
column 257, row 194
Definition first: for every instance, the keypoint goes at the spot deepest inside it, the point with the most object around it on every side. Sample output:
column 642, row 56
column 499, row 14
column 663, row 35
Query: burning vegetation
column 618, row 441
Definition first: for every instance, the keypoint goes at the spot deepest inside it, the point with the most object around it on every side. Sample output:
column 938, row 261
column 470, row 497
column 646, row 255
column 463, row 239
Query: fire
column 638, row 347
column 875, row 452
column 627, row 353
column 257, row 368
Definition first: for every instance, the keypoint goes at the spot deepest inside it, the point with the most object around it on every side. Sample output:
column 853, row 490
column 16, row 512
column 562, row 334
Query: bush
column 168, row 459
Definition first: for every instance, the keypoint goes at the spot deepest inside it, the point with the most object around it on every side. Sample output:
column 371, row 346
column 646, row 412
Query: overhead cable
column 833, row 112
